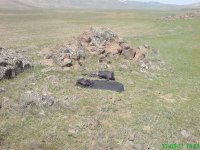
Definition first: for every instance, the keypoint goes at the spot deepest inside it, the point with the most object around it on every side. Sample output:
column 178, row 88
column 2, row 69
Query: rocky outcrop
column 12, row 63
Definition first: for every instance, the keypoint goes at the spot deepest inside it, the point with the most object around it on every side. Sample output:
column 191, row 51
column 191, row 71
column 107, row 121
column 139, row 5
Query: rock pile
column 97, row 41
column 12, row 63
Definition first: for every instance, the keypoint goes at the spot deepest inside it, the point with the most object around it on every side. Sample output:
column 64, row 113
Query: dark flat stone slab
column 104, row 85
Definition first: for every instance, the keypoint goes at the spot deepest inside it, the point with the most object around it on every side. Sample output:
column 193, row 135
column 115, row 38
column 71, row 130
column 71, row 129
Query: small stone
column 154, row 51
column 73, row 131
column 101, row 51
column 2, row 90
column 47, row 100
column 138, row 147
column 31, row 98
column 147, row 129
column 63, row 56
column 67, row 62
column 128, row 145
column 132, row 137
column 123, row 66
column 146, row 46
column 129, row 53
column 186, row 133
column 48, row 55
column 125, row 46
column 42, row 113
column 92, row 124
column 75, row 57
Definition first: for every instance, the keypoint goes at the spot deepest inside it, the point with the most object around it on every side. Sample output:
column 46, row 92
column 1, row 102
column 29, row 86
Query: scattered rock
column 49, row 55
column 168, row 98
column 12, row 63
column 68, row 101
column 30, row 99
column 154, row 51
column 123, row 66
column 129, row 145
column 53, row 78
column 47, row 100
column 47, row 62
column 129, row 53
column 132, row 137
column 73, row 130
column 108, row 75
column 186, row 133
column 184, row 16
column 33, row 144
column 66, row 63
column 92, row 123
column 147, row 129
column 2, row 90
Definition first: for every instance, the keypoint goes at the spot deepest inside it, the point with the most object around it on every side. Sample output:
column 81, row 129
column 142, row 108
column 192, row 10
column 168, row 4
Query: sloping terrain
column 15, row 4
column 100, row 4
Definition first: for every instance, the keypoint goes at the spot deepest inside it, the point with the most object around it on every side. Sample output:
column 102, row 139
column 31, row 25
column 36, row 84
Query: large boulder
column 12, row 63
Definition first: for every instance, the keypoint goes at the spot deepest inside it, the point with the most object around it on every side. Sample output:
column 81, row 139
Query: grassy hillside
column 158, row 107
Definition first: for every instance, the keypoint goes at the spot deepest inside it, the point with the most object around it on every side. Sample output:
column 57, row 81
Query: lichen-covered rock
column 12, row 63
column 31, row 98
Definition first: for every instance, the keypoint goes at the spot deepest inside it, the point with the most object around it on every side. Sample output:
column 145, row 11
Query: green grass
column 167, row 100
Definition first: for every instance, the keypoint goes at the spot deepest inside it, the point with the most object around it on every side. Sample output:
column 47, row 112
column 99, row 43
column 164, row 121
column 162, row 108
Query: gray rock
column 2, row 90
column 31, row 98
column 129, row 53
column 66, row 62
column 12, row 63
column 49, row 55
column 186, row 133
column 47, row 100
column 154, row 51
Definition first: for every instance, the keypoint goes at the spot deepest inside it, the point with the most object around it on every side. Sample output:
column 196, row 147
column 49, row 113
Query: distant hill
column 25, row 4
column 14, row 4
column 196, row 5
column 148, row 5
column 101, row 4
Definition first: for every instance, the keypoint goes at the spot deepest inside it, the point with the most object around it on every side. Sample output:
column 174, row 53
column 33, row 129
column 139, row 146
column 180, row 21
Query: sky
column 179, row 2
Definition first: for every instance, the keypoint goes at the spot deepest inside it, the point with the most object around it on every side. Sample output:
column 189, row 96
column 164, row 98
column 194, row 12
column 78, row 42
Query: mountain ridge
column 97, row 4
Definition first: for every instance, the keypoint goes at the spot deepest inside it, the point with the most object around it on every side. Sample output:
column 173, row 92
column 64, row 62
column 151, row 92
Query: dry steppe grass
column 157, row 107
